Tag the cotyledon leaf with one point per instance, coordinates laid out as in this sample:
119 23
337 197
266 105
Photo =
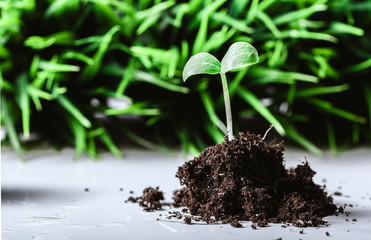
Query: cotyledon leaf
239 55
201 63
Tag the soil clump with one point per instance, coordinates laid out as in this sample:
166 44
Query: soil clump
245 180
150 200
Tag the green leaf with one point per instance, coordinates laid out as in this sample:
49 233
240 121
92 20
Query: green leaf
155 80
68 105
201 63
331 137
209 106
107 140
250 98
330 108
24 104
38 42
342 28
79 133
10 126
293 134
367 91
360 66
239 55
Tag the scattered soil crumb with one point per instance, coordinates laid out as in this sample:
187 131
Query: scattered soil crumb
327 234
86 189
188 220
235 223
132 199
245 180
121 189
337 193
341 209
301 231
150 200
354 220
131 192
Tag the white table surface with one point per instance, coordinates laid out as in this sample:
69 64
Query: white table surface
43 197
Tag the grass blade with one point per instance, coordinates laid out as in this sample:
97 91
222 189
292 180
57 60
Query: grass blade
209 106
360 66
201 35
343 28
237 24
304 34
106 139
268 23
331 138
79 133
367 90
299 14
24 103
314 91
127 77
74 111
135 109
251 99
328 107
153 79
251 14
293 134
215 133
53 67
91 71
9 124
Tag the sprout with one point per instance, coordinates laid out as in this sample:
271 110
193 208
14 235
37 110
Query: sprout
239 55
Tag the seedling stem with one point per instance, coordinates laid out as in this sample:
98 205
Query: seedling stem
227 103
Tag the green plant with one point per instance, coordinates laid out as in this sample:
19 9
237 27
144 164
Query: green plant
58 74
239 55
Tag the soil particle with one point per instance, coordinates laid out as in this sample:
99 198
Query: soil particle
150 200
327 234
245 180
341 209
121 189
86 189
235 223
188 220
337 193
132 199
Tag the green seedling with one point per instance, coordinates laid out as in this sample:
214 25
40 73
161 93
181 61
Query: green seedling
239 55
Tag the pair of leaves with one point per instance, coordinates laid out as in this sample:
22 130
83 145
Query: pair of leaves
239 55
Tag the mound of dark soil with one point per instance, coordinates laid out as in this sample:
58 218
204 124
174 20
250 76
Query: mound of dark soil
245 179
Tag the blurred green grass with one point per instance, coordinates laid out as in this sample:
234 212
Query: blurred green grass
63 62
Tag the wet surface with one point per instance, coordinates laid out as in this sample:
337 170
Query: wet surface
44 197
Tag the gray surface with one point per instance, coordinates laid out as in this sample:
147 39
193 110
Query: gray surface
43 197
